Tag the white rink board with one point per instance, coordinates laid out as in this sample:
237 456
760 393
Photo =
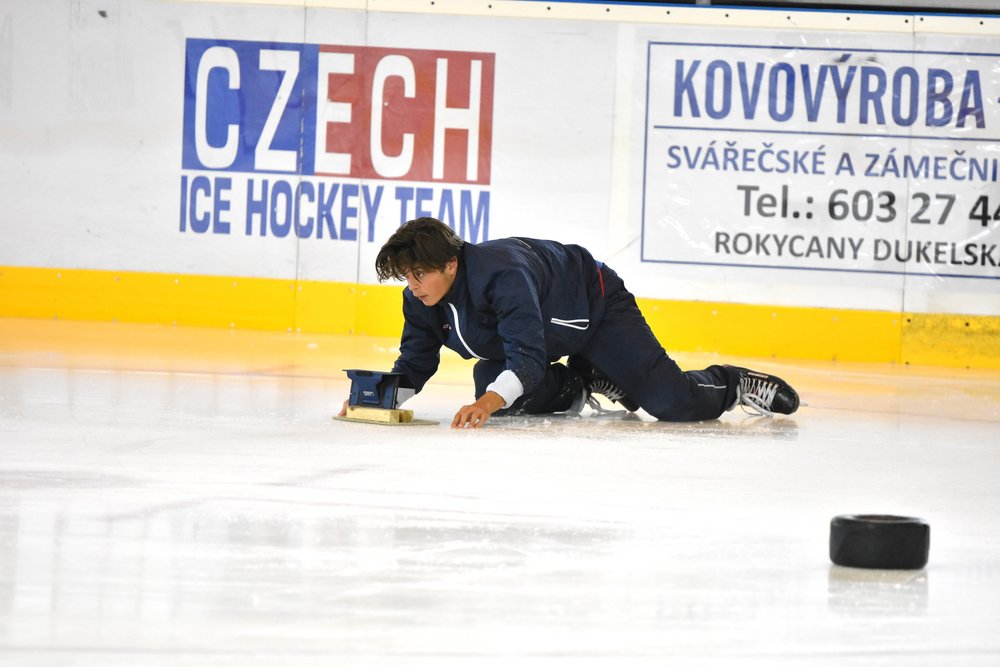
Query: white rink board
828 164
117 153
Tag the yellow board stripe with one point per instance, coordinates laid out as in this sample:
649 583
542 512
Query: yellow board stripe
780 332
374 310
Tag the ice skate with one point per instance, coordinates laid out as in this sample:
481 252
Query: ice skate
763 394
594 382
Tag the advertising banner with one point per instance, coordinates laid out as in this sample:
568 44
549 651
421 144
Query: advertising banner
838 159
316 143
808 167
301 139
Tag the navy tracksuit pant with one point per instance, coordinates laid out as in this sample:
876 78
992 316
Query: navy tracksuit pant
624 349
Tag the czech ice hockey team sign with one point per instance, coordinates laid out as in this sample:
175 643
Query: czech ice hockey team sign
868 160
321 141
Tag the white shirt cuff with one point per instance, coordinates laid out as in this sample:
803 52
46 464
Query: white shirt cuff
508 386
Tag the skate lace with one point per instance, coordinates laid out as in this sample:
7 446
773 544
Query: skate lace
756 395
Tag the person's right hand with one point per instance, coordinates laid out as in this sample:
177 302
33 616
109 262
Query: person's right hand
343 410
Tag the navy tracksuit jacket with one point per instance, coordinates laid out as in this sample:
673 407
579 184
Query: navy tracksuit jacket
520 304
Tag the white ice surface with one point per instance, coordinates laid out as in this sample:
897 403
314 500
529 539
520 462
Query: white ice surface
224 519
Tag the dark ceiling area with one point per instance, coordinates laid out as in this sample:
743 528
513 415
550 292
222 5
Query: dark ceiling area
980 7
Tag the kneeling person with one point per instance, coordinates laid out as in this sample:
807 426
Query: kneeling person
519 305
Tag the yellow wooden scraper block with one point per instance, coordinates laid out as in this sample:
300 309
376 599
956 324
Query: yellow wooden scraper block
384 416
380 415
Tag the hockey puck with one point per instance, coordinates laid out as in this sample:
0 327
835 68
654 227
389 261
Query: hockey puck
879 541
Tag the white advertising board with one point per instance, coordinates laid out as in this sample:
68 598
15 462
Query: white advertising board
858 156
850 168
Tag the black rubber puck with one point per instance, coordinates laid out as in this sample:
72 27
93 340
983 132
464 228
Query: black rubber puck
879 541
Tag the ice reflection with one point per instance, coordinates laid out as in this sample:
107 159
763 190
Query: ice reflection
877 592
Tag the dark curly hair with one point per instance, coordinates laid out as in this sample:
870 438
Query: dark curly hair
425 243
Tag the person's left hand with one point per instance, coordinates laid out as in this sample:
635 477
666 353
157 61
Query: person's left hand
478 413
